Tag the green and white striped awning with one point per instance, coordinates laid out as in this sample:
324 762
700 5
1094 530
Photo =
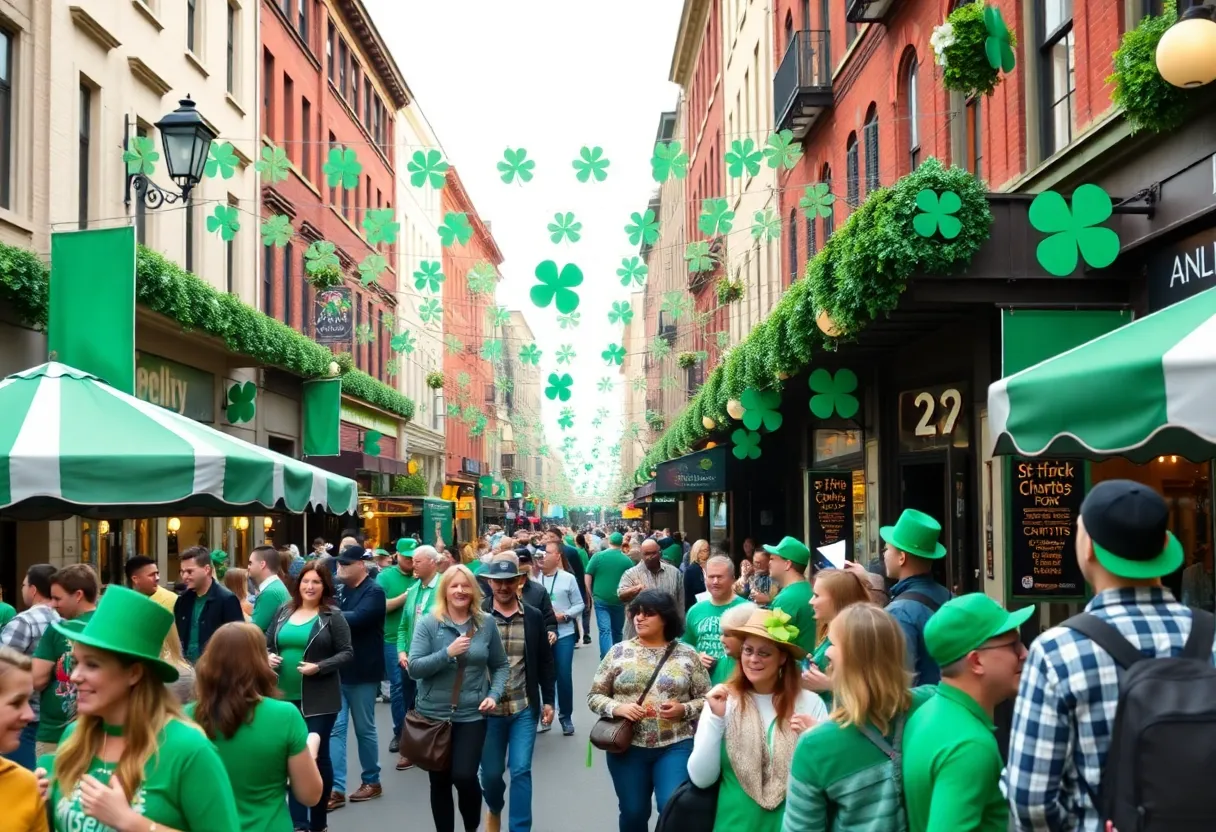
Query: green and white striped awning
71 444
1140 391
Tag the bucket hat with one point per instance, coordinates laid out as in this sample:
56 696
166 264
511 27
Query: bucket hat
772 625
964 623
1128 523
129 624
915 533
791 549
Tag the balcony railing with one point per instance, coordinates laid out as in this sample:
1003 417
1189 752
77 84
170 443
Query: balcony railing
802 87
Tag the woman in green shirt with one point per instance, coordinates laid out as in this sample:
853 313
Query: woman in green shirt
834 590
261 739
131 761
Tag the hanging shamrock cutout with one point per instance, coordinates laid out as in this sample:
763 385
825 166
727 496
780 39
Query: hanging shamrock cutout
403 343
743 156
391 368
470 413
565 354
559 387
668 383
453 345
659 348
370 269
453 410
698 256
277 231
566 421
833 394
621 312
342 168
597 421
429 276
455 229
632 270
515 164
242 402
498 316
676 305
605 385
817 200
782 151
430 311
642 228
766 225
274 164
997 46
221 161
226 219
542 450
380 226
463 380
1070 230
638 384
591 163
529 354
747 444
723 340
479 427
716 217
614 354
491 350
320 256
668 160
565 227
760 409
937 214
364 334
482 278
371 442
507 385
569 321
557 288
140 156
427 167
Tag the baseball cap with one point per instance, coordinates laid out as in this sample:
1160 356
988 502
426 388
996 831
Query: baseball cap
1128 523
353 554
616 539
966 622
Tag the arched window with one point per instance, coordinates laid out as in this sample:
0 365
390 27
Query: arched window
789 30
810 236
869 132
912 91
852 173
793 244
829 222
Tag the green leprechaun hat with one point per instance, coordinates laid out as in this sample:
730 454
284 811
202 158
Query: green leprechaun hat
126 623
915 533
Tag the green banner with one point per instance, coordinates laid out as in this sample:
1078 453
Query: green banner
437 518
178 387
517 489
322 414
92 303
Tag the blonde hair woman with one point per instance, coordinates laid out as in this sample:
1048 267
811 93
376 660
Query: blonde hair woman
834 590
842 777
19 796
694 574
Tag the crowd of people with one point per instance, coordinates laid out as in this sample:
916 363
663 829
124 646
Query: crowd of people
753 692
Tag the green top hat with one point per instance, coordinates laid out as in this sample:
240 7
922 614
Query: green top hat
126 623
965 623
791 549
915 533
406 546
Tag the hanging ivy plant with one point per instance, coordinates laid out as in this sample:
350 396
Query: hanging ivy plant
434 380
686 359
1148 100
325 277
959 48
729 291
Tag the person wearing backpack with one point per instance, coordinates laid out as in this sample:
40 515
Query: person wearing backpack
951 761
912 546
1097 725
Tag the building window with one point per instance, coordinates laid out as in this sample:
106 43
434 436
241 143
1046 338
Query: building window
358 326
191 24
267 93
306 300
302 20
367 104
850 33
230 57
913 113
829 222
288 312
230 256
354 88
306 137
793 245
84 174
141 210
6 118
333 195
1058 73
852 171
343 61
190 233
329 51
869 132
789 30
975 137
810 237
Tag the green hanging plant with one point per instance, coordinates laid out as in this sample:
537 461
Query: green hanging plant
962 47
434 380
1148 100
729 290
326 277
687 359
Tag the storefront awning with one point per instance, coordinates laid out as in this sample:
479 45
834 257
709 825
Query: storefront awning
1140 391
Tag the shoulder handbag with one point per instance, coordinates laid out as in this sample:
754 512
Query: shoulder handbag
426 742
614 734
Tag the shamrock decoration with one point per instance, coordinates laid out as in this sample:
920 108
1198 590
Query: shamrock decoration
454 410
342 168
391 368
542 450
569 321
371 442
760 408
565 354
605 385
364 334
516 164
676 305
402 343
659 348
453 345
766 225
743 156
479 427
427 167
556 288
140 156
222 161
274 164
498 316
566 420
997 46
668 383
242 402
319 256
564 226
716 218
817 200
621 312
698 256
529 354
937 214
639 383
455 229
277 231
470 414
833 394
506 384
747 444
643 227
614 354
429 275
782 151
491 350
779 627
371 268
1074 229
463 380
632 270
591 163
430 311
380 226
668 161
225 219
559 387
482 278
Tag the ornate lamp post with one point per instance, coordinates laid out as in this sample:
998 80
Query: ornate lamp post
186 137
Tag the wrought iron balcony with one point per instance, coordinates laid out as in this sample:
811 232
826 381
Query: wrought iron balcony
868 11
802 87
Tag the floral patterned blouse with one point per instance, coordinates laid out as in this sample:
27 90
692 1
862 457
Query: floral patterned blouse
625 671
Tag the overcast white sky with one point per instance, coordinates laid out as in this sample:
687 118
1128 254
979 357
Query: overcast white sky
550 76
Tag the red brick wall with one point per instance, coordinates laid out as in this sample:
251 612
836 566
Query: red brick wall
352 440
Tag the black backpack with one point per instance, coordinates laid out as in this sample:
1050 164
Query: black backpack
1162 758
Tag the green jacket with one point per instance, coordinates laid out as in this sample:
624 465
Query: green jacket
419 600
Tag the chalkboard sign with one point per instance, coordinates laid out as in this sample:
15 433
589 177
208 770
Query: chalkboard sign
831 509
1045 501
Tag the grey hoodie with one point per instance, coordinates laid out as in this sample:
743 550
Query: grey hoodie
430 665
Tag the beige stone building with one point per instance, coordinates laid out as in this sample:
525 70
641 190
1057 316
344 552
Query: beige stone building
633 396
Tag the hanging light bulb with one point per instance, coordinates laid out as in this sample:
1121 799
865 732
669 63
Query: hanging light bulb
827 325
734 408
1186 53
174 524
267 522
241 523
103 527
708 423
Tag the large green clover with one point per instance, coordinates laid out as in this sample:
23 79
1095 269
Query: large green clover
743 156
529 354
222 161
1074 229
659 348
570 321
591 163
605 385
342 168
507 385
557 288
498 316
566 420
833 394
454 410
455 229
817 200
364 334
632 270
371 442
937 214
620 313
766 225
559 387
614 354
452 344
565 227
642 228
515 164
716 217
403 342
760 409
566 354
676 305
482 278
140 156
698 256
427 167
491 350
391 368
782 151
463 380
226 219
274 164
668 161
639 384
429 276
277 231
746 444
371 267
242 402
380 226
997 46
430 311
320 256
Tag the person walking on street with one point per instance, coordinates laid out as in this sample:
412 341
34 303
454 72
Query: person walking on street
362 603
694 573
396 580
703 625
419 600
264 567
533 594
651 573
563 590
205 606
511 726
912 547
573 566
74 592
604 572
834 590
789 561
23 634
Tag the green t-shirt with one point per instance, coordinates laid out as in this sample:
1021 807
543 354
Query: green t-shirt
7 614
418 603
795 601
703 632
192 649
293 639
255 758
185 786
57 702
394 582
267 604
606 569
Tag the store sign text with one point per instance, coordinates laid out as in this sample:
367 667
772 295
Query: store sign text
1181 270
173 386
932 418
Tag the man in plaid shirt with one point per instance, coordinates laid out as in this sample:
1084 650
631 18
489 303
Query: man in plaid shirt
1066 704
23 634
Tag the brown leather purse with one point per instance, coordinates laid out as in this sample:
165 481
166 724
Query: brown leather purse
614 734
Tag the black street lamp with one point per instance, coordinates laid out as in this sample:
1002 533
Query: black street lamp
186 137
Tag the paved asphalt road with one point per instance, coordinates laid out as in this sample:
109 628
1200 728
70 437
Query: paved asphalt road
566 794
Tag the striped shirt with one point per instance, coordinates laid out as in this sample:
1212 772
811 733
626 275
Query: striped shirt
669 579
25 631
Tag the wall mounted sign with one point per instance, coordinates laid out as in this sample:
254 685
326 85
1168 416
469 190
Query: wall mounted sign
332 316
699 472
367 418
470 466
1178 271
831 509
175 386
933 418
1045 501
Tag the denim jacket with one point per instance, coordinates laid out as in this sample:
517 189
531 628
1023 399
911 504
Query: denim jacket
912 615
485 672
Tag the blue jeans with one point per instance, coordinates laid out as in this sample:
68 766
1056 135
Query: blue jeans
359 704
640 773
508 747
315 818
25 754
610 624
395 693
563 657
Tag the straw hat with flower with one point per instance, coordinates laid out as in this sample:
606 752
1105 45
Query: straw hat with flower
771 625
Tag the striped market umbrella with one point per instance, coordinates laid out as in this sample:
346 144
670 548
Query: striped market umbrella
72 444
1140 391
